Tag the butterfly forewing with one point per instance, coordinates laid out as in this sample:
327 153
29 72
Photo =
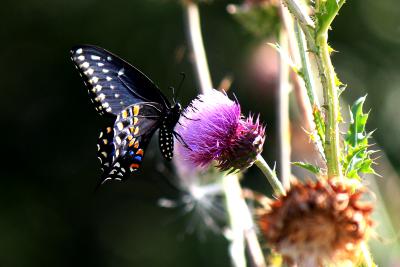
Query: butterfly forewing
113 84
134 101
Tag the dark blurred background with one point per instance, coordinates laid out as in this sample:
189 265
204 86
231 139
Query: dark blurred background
49 213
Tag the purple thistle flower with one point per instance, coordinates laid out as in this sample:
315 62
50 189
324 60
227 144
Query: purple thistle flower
214 130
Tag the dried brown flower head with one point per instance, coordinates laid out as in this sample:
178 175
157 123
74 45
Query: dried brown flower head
317 223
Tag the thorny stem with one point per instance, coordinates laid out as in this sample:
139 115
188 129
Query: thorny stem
317 42
306 23
306 67
271 176
307 75
331 98
193 31
231 183
332 147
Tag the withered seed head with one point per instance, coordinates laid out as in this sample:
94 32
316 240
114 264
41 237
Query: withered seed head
317 223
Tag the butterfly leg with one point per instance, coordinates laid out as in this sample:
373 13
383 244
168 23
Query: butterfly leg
190 119
180 139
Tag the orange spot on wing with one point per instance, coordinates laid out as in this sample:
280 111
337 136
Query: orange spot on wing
124 114
109 129
135 110
131 143
134 166
139 152
136 145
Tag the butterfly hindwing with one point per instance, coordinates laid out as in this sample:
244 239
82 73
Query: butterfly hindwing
105 148
131 134
113 84
134 101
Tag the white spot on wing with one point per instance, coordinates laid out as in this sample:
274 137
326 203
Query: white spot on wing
79 51
94 80
84 65
101 97
81 58
121 72
95 57
89 71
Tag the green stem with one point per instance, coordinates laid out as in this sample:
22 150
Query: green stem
306 67
306 23
299 12
317 42
307 75
331 98
271 176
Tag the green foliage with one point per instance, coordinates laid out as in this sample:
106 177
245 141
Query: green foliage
326 12
357 157
309 167
260 21
319 123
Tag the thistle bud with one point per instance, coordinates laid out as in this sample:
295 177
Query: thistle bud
214 130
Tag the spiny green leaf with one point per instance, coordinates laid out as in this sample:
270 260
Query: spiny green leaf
356 133
308 166
357 157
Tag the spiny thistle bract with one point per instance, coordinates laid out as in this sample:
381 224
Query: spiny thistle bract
214 129
318 223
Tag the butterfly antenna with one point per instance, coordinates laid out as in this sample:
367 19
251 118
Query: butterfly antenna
183 75
173 94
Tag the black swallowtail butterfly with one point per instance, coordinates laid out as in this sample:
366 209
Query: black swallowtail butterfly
120 90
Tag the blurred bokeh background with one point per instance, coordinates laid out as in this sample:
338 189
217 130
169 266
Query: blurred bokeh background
49 213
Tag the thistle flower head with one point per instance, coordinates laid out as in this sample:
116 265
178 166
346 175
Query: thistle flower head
318 223
214 130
